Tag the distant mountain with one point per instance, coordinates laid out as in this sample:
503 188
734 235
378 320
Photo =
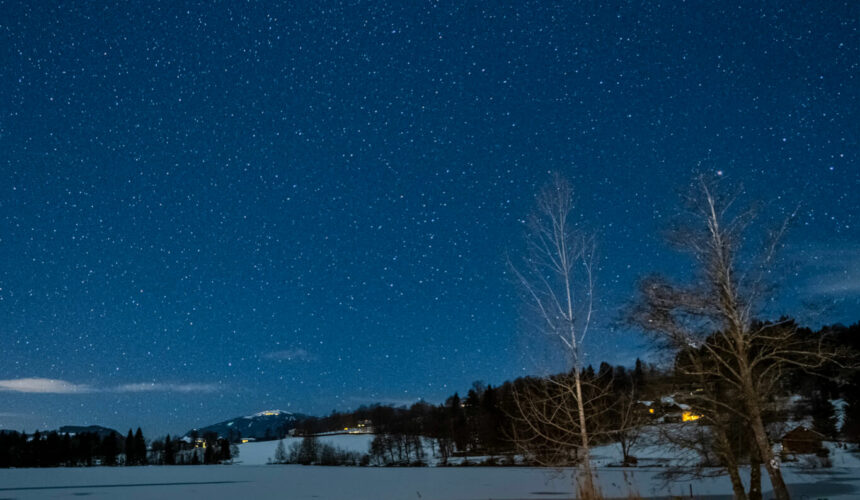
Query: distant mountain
91 429
270 424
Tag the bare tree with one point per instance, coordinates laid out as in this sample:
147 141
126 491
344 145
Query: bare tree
628 420
556 277
738 361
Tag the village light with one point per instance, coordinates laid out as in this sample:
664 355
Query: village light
689 416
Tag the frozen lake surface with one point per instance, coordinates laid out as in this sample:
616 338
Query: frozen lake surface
371 483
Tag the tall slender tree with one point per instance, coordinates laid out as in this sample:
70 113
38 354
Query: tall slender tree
140 448
130 451
169 451
823 415
557 281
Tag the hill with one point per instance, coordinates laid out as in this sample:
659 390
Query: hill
265 425
91 429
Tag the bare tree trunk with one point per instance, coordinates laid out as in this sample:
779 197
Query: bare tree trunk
780 490
763 446
755 472
585 455
731 464
724 448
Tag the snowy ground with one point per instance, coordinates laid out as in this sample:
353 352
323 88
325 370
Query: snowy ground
262 453
251 477
373 483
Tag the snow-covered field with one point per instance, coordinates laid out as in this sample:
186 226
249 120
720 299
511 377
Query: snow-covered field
251 477
373 483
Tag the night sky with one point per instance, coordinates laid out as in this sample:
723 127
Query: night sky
211 209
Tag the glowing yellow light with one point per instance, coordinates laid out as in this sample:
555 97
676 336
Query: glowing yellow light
650 410
689 416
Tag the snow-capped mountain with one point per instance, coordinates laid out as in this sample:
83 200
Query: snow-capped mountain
269 424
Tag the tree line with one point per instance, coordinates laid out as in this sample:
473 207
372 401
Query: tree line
52 449
481 422
86 449
488 420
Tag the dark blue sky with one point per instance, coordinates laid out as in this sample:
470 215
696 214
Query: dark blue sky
209 209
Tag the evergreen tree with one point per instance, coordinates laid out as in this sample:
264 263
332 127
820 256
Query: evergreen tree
224 450
130 452
209 454
588 374
457 422
823 415
110 449
140 448
169 451
851 424
490 432
639 380
472 412
604 372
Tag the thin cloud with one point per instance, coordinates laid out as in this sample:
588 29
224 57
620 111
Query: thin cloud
37 385
290 355
833 271
382 400
157 387
44 386
836 284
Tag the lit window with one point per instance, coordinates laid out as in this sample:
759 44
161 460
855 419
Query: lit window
689 416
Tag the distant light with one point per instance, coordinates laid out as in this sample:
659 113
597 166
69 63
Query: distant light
720 172
689 416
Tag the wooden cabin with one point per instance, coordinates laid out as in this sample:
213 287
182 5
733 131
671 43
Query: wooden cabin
801 440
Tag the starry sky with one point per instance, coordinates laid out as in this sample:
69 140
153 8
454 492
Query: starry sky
212 208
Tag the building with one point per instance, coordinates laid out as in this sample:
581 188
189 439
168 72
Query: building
362 427
800 441
689 416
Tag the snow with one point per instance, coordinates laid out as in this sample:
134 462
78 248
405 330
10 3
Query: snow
268 413
650 450
839 405
260 452
249 476
380 483
276 481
